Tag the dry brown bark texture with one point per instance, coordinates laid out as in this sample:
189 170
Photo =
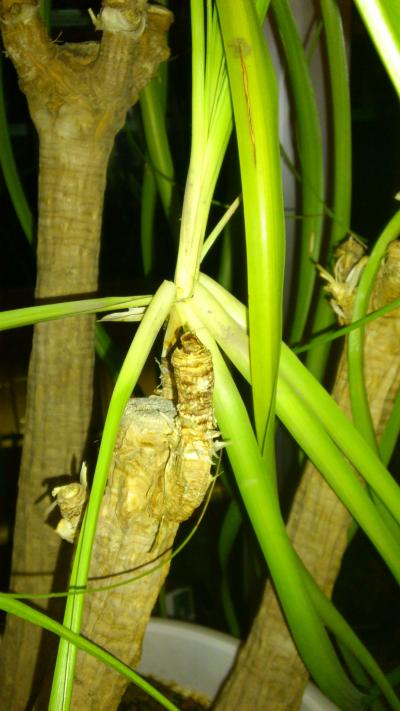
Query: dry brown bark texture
159 475
268 672
78 95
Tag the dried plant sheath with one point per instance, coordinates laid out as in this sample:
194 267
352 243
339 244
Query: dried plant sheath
159 475
269 673
194 379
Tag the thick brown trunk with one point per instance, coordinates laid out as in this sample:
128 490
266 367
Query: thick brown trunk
160 473
59 398
78 96
268 673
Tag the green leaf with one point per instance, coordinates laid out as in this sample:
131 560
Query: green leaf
309 151
255 104
15 607
10 170
355 344
341 163
382 20
15 318
211 129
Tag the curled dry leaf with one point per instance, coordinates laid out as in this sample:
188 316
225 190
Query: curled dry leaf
350 261
71 499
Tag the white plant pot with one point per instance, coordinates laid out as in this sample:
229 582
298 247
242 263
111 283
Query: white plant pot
199 659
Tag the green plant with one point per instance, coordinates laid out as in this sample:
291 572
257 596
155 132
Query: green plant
233 83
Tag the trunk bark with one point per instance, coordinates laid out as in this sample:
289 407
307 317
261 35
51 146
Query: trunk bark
269 673
159 475
59 394
78 96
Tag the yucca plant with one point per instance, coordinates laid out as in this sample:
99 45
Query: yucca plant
158 467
